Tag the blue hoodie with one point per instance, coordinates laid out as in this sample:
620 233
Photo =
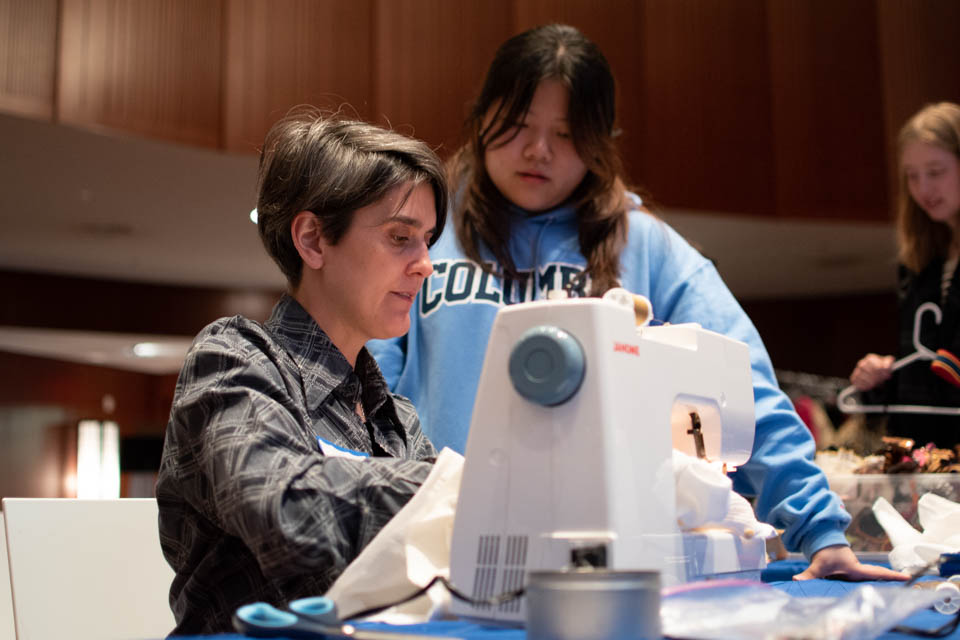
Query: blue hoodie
437 364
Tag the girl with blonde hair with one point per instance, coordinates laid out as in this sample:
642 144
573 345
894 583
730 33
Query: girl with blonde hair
928 212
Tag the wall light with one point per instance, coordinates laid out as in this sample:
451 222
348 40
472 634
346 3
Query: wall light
98 459
146 349
254 216
169 349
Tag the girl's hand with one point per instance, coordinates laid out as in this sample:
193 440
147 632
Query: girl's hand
840 561
871 371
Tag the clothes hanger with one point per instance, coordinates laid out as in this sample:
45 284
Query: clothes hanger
943 363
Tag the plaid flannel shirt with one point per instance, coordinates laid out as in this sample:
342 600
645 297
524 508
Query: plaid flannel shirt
250 508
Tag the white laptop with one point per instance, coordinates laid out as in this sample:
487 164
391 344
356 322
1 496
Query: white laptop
84 569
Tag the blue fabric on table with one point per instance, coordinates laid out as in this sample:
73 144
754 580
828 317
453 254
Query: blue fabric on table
450 628
778 574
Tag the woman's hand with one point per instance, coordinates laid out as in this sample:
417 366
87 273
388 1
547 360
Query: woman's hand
839 560
871 371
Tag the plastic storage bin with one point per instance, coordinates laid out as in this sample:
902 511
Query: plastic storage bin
858 493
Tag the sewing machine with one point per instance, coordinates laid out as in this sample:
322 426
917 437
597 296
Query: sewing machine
568 460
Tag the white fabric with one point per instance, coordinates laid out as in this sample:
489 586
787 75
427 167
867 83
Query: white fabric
407 553
415 545
706 499
913 550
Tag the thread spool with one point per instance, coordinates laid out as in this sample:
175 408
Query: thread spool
949 602
947 590
641 305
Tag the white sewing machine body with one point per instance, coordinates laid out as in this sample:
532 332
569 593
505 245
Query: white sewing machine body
590 480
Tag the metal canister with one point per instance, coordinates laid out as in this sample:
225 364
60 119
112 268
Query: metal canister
594 604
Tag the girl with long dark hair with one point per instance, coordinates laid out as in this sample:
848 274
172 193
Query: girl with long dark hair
539 204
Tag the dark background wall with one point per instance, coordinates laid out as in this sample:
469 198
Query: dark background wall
43 399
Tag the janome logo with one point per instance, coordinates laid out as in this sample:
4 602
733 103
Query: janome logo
623 347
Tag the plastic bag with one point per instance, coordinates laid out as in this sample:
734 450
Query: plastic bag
914 551
741 610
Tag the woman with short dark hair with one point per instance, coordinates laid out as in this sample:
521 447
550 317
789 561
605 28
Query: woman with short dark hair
285 452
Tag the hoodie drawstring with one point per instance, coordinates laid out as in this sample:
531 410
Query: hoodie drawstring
536 258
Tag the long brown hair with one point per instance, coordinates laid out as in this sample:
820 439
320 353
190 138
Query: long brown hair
921 239
482 213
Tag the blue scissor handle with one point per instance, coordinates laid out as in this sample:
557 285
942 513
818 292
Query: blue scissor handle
263 620
318 608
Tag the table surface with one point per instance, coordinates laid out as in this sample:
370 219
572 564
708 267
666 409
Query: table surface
778 574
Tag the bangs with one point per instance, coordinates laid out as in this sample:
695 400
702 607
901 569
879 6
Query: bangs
509 110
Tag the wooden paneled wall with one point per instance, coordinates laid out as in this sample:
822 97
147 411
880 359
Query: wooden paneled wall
291 52
766 107
919 62
152 68
828 144
28 52
142 401
826 335
430 57
90 304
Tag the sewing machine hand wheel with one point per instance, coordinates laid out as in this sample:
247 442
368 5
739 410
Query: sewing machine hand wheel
547 365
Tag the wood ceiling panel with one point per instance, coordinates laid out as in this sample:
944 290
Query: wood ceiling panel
827 109
431 56
150 67
284 53
28 37
706 105
920 63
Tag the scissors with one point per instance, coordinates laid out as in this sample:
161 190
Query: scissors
308 619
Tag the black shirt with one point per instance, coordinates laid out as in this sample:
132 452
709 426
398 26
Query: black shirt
915 383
